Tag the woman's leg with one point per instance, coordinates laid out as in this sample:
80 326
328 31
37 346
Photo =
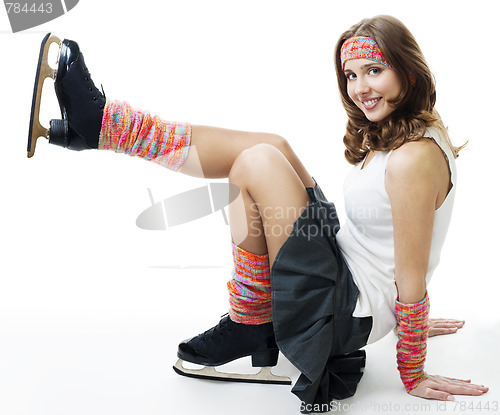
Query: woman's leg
197 151
272 196
90 121
218 148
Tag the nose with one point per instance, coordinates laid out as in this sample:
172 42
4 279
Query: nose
362 86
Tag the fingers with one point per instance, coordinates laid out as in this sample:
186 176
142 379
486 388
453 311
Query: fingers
438 395
442 326
465 389
457 380
443 322
443 388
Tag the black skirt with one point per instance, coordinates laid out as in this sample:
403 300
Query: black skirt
313 298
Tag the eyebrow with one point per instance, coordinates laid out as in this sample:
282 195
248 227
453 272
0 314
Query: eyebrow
364 66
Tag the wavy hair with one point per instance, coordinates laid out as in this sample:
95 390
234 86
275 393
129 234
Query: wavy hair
414 106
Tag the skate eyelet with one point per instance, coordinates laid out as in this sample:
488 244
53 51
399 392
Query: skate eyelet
90 88
95 98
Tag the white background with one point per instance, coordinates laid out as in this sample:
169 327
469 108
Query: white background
92 308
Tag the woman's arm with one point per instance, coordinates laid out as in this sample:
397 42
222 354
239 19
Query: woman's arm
417 181
413 182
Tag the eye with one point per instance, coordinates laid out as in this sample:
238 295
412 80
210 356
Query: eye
374 71
350 76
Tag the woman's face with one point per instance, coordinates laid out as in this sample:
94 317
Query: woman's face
371 86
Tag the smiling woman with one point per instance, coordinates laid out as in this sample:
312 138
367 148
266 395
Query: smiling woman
373 87
301 283
388 67
389 94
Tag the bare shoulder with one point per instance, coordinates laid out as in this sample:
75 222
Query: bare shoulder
418 167
422 158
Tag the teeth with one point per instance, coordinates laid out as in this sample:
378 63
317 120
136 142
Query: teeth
371 102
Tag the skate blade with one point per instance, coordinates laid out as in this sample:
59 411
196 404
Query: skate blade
210 373
43 71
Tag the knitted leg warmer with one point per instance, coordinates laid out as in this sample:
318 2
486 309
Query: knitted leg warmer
250 288
137 133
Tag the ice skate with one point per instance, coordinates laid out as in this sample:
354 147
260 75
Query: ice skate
229 341
81 103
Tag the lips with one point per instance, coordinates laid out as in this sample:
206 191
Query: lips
370 103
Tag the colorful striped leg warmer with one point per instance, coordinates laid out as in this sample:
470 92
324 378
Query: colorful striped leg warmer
137 133
250 288
412 331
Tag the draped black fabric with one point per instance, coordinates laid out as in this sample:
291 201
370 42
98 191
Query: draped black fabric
313 298
339 380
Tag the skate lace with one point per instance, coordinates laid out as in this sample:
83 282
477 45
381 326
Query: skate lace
218 329
100 95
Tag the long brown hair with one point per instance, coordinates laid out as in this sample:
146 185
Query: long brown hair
414 107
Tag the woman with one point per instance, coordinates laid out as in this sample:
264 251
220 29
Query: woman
301 283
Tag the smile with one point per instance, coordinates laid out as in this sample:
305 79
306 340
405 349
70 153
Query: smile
371 103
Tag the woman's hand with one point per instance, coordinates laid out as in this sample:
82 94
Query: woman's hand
443 388
440 326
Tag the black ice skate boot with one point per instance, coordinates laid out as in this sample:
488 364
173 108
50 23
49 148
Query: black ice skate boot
81 103
229 341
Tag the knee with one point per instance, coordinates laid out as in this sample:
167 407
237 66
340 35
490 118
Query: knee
255 162
280 143
274 140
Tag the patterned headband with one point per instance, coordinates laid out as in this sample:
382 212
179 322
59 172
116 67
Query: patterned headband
362 48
